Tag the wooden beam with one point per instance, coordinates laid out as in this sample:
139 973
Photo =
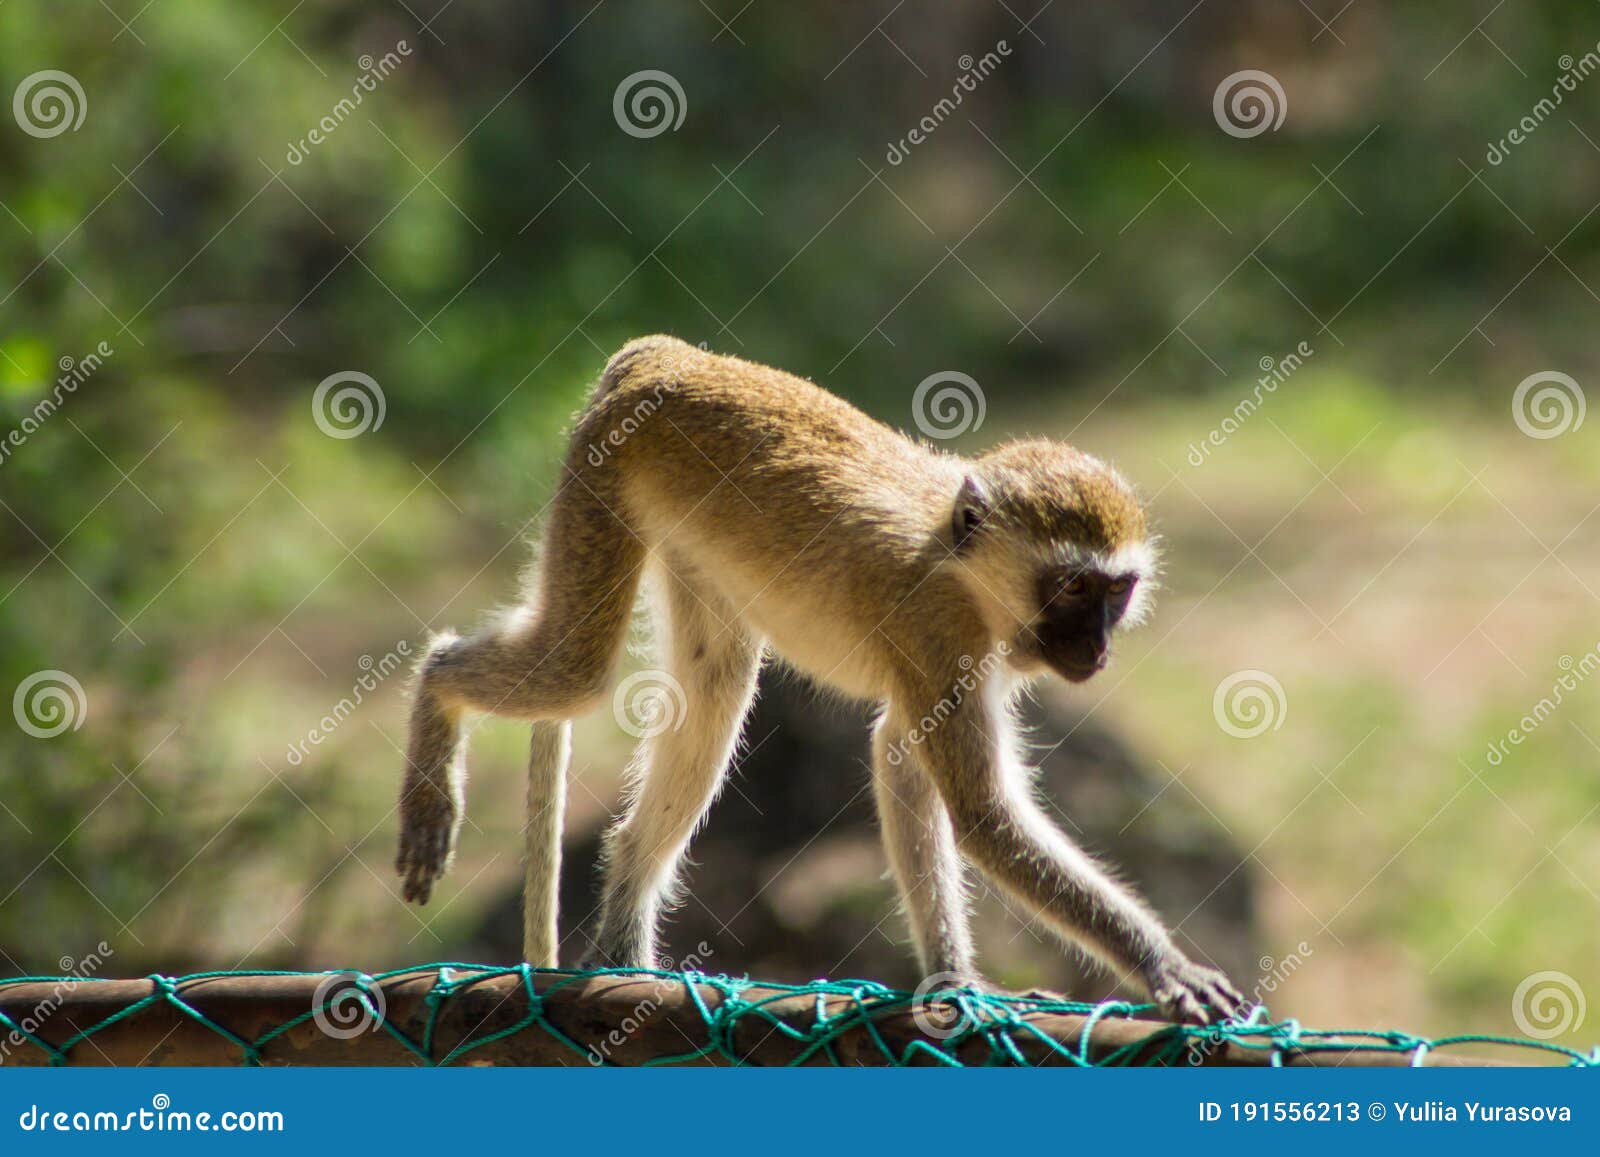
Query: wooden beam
621 1020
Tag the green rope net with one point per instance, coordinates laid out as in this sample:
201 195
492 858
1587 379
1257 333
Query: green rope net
996 1024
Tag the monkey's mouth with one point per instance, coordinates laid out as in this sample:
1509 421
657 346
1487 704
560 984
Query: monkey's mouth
1077 668
1075 659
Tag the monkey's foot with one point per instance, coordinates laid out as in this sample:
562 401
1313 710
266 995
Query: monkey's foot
1192 993
607 951
958 978
427 845
1042 995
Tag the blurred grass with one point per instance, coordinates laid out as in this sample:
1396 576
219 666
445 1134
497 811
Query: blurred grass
1430 881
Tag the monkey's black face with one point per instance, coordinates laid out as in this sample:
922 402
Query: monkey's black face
1078 611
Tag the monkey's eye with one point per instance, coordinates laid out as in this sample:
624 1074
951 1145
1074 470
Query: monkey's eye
1121 586
1076 586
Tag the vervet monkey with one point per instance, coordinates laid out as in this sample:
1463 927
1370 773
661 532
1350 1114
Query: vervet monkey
774 515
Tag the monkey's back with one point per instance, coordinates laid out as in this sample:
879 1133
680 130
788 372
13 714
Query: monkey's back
762 477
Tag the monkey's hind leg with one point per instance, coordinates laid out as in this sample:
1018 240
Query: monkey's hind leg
921 846
432 794
678 769
548 662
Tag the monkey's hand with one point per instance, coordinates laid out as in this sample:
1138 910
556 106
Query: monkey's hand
1191 993
428 822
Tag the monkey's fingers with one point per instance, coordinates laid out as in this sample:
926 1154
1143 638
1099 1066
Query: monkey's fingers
416 890
418 883
411 889
1183 1007
1194 994
1042 995
1225 997
425 854
1218 996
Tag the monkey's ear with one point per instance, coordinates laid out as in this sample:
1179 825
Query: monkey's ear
971 508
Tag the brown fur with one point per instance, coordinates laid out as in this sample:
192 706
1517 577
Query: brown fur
778 516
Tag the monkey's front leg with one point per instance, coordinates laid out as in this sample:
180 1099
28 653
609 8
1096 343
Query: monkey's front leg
1004 832
921 847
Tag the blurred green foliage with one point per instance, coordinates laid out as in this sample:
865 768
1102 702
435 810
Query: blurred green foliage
479 233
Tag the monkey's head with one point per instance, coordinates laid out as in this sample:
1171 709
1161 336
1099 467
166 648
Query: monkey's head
1054 547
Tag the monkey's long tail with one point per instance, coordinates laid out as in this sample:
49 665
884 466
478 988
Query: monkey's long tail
548 757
